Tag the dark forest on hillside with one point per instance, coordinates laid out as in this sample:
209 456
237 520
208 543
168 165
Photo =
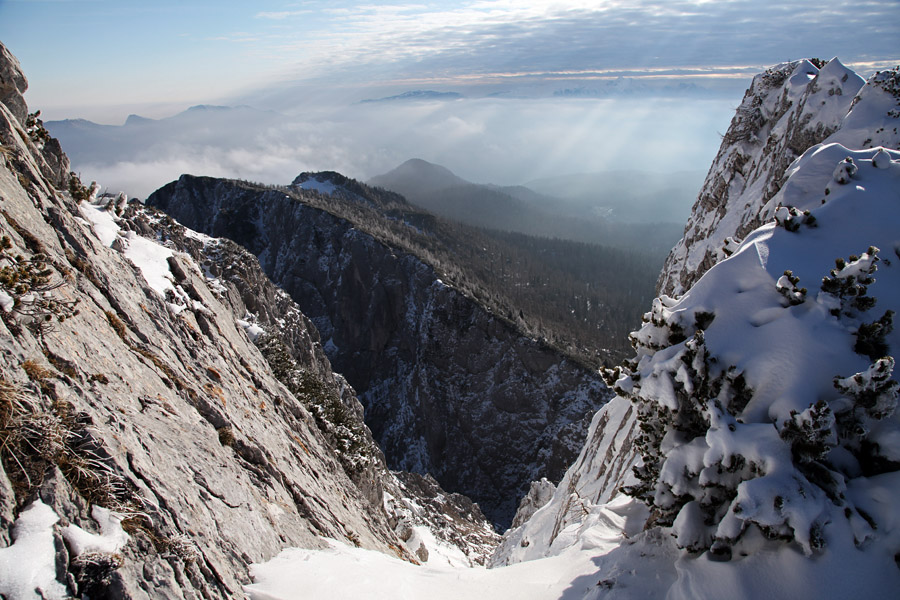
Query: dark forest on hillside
581 298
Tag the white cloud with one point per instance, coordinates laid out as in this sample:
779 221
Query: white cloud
505 141
281 15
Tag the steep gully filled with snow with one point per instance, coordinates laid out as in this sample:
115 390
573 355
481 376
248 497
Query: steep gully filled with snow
758 408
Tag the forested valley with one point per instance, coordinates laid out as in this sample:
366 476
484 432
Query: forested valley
581 298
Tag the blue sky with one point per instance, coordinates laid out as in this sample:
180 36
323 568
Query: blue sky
124 53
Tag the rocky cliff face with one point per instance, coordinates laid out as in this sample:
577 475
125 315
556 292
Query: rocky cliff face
449 389
786 110
443 523
141 399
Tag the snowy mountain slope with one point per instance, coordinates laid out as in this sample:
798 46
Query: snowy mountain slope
768 439
778 354
450 389
345 573
786 110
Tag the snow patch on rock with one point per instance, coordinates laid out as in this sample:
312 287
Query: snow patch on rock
111 539
28 567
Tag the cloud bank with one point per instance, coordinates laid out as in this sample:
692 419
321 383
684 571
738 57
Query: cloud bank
192 52
504 141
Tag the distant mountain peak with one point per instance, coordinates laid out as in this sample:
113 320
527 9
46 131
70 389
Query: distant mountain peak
422 165
137 120
420 176
207 107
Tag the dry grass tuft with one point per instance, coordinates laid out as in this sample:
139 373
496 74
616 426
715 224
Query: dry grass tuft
35 371
117 325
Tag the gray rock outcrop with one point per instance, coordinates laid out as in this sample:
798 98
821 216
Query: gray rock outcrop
158 406
12 85
291 345
786 110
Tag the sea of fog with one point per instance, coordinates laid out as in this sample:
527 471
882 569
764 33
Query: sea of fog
506 141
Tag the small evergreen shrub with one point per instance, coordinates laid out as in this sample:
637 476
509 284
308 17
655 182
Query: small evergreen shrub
34 126
27 291
342 429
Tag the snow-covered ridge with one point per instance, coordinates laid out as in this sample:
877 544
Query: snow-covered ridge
788 109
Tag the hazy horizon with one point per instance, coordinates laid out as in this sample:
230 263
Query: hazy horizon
487 140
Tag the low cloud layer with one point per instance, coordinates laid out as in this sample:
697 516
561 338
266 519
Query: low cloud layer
504 141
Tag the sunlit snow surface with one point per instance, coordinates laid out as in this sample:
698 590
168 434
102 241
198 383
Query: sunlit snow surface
111 539
150 257
28 567
314 183
341 572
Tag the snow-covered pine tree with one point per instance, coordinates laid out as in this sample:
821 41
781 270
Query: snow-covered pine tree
710 474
